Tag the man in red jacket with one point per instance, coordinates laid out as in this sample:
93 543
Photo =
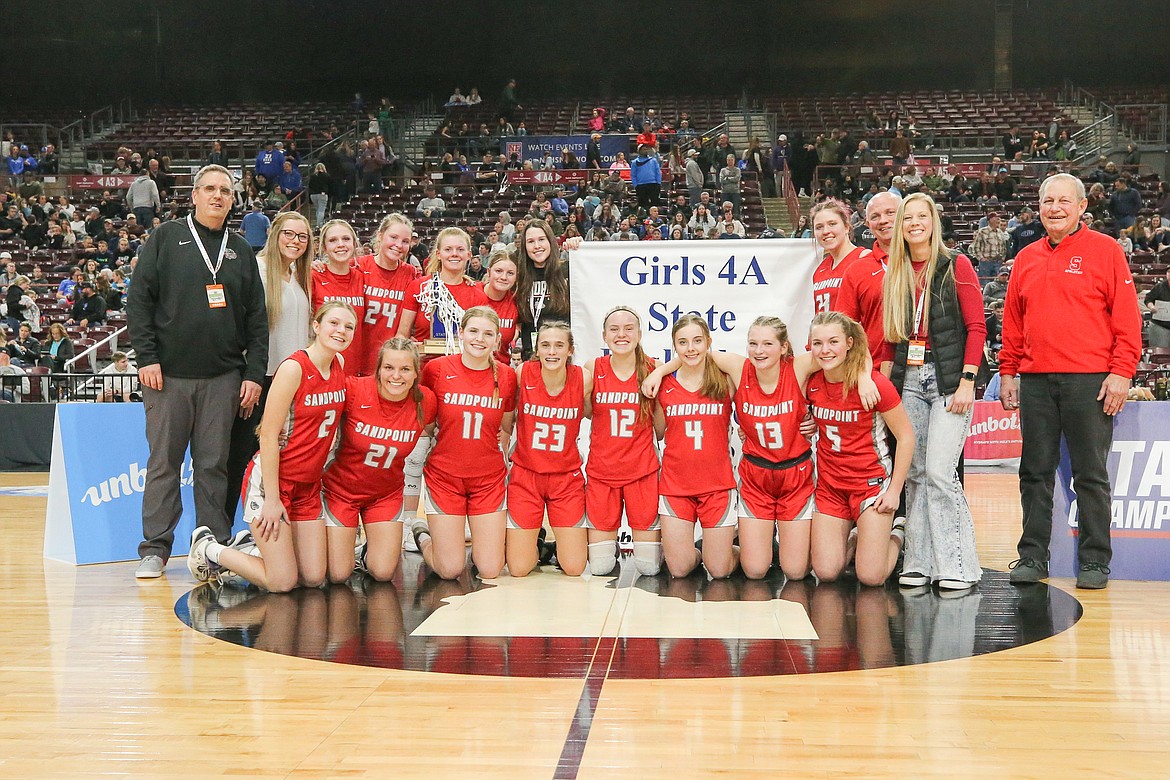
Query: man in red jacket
1068 380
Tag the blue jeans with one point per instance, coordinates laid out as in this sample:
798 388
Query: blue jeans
940 534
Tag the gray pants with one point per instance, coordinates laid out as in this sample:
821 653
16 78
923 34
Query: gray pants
198 412
940 534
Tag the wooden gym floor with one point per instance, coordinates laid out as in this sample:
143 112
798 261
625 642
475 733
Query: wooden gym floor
100 676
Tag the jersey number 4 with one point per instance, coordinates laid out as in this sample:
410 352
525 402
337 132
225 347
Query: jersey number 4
694 429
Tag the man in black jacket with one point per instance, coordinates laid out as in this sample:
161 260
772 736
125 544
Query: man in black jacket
89 308
199 326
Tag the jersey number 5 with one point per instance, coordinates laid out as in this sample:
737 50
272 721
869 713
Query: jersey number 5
834 437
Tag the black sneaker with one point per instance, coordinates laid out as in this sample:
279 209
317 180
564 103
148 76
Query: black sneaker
1093 576
1026 571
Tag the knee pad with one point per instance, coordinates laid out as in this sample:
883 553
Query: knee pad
648 557
412 467
602 557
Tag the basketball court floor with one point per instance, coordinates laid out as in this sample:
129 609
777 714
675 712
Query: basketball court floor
548 677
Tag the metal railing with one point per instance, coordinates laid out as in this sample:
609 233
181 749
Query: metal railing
39 386
90 353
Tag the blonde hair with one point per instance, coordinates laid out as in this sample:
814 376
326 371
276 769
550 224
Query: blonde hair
642 364
333 223
393 218
854 362
403 344
560 325
901 287
329 306
830 204
489 314
274 274
433 262
777 325
716 385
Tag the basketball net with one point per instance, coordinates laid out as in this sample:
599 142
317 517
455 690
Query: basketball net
440 306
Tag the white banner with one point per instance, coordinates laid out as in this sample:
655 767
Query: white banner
727 283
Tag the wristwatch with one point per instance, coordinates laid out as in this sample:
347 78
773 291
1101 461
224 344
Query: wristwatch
968 375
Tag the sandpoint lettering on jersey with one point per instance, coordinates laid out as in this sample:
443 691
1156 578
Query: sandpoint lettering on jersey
390 434
770 410
616 398
552 412
683 410
835 415
467 399
324 399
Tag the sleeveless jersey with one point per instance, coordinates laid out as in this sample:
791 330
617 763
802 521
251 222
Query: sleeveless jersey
385 293
827 280
469 416
312 420
621 448
376 437
852 447
696 458
328 286
466 294
771 421
509 316
547 426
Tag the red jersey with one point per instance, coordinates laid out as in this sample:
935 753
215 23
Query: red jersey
771 421
1071 309
509 321
466 294
376 437
696 458
312 420
547 426
471 408
861 299
852 446
350 287
385 292
827 279
621 448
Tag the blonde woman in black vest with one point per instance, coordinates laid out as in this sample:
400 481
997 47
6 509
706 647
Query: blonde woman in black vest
935 329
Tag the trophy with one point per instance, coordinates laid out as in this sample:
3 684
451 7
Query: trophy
445 315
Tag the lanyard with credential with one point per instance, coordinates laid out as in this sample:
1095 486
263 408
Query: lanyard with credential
216 298
214 269
916 353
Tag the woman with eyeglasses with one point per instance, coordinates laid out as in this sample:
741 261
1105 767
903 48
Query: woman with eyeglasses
285 266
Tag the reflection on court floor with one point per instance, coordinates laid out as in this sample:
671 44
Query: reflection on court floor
549 625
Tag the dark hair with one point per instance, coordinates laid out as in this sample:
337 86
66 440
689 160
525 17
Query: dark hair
555 274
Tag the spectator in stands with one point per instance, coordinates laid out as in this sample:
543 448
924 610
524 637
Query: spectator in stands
18 301
57 349
320 185
802 229
989 247
1026 231
871 121
646 177
1157 303
290 180
488 173
1012 143
1038 146
371 160
255 227
12 390
781 157
647 137
12 224
865 155
730 177
119 381
25 346
995 327
729 223
431 204
89 308
10 273
1125 203
269 162
827 146
1132 159
717 153
900 148
619 163
121 168
996 289
216 156
702 221
558 204
68 288
509 104
1004 185
457 99
1065 147
143 199
694 177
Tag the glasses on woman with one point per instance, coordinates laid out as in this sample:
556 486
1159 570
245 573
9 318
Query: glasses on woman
292 235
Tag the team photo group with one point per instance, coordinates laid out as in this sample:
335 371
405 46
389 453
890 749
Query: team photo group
335 391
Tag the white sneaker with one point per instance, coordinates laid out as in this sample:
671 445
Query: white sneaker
955 585
197 562
913 579
150 567
408 542
899 530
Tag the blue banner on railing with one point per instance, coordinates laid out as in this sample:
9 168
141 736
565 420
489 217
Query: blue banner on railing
96 479
533 147
1139 471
